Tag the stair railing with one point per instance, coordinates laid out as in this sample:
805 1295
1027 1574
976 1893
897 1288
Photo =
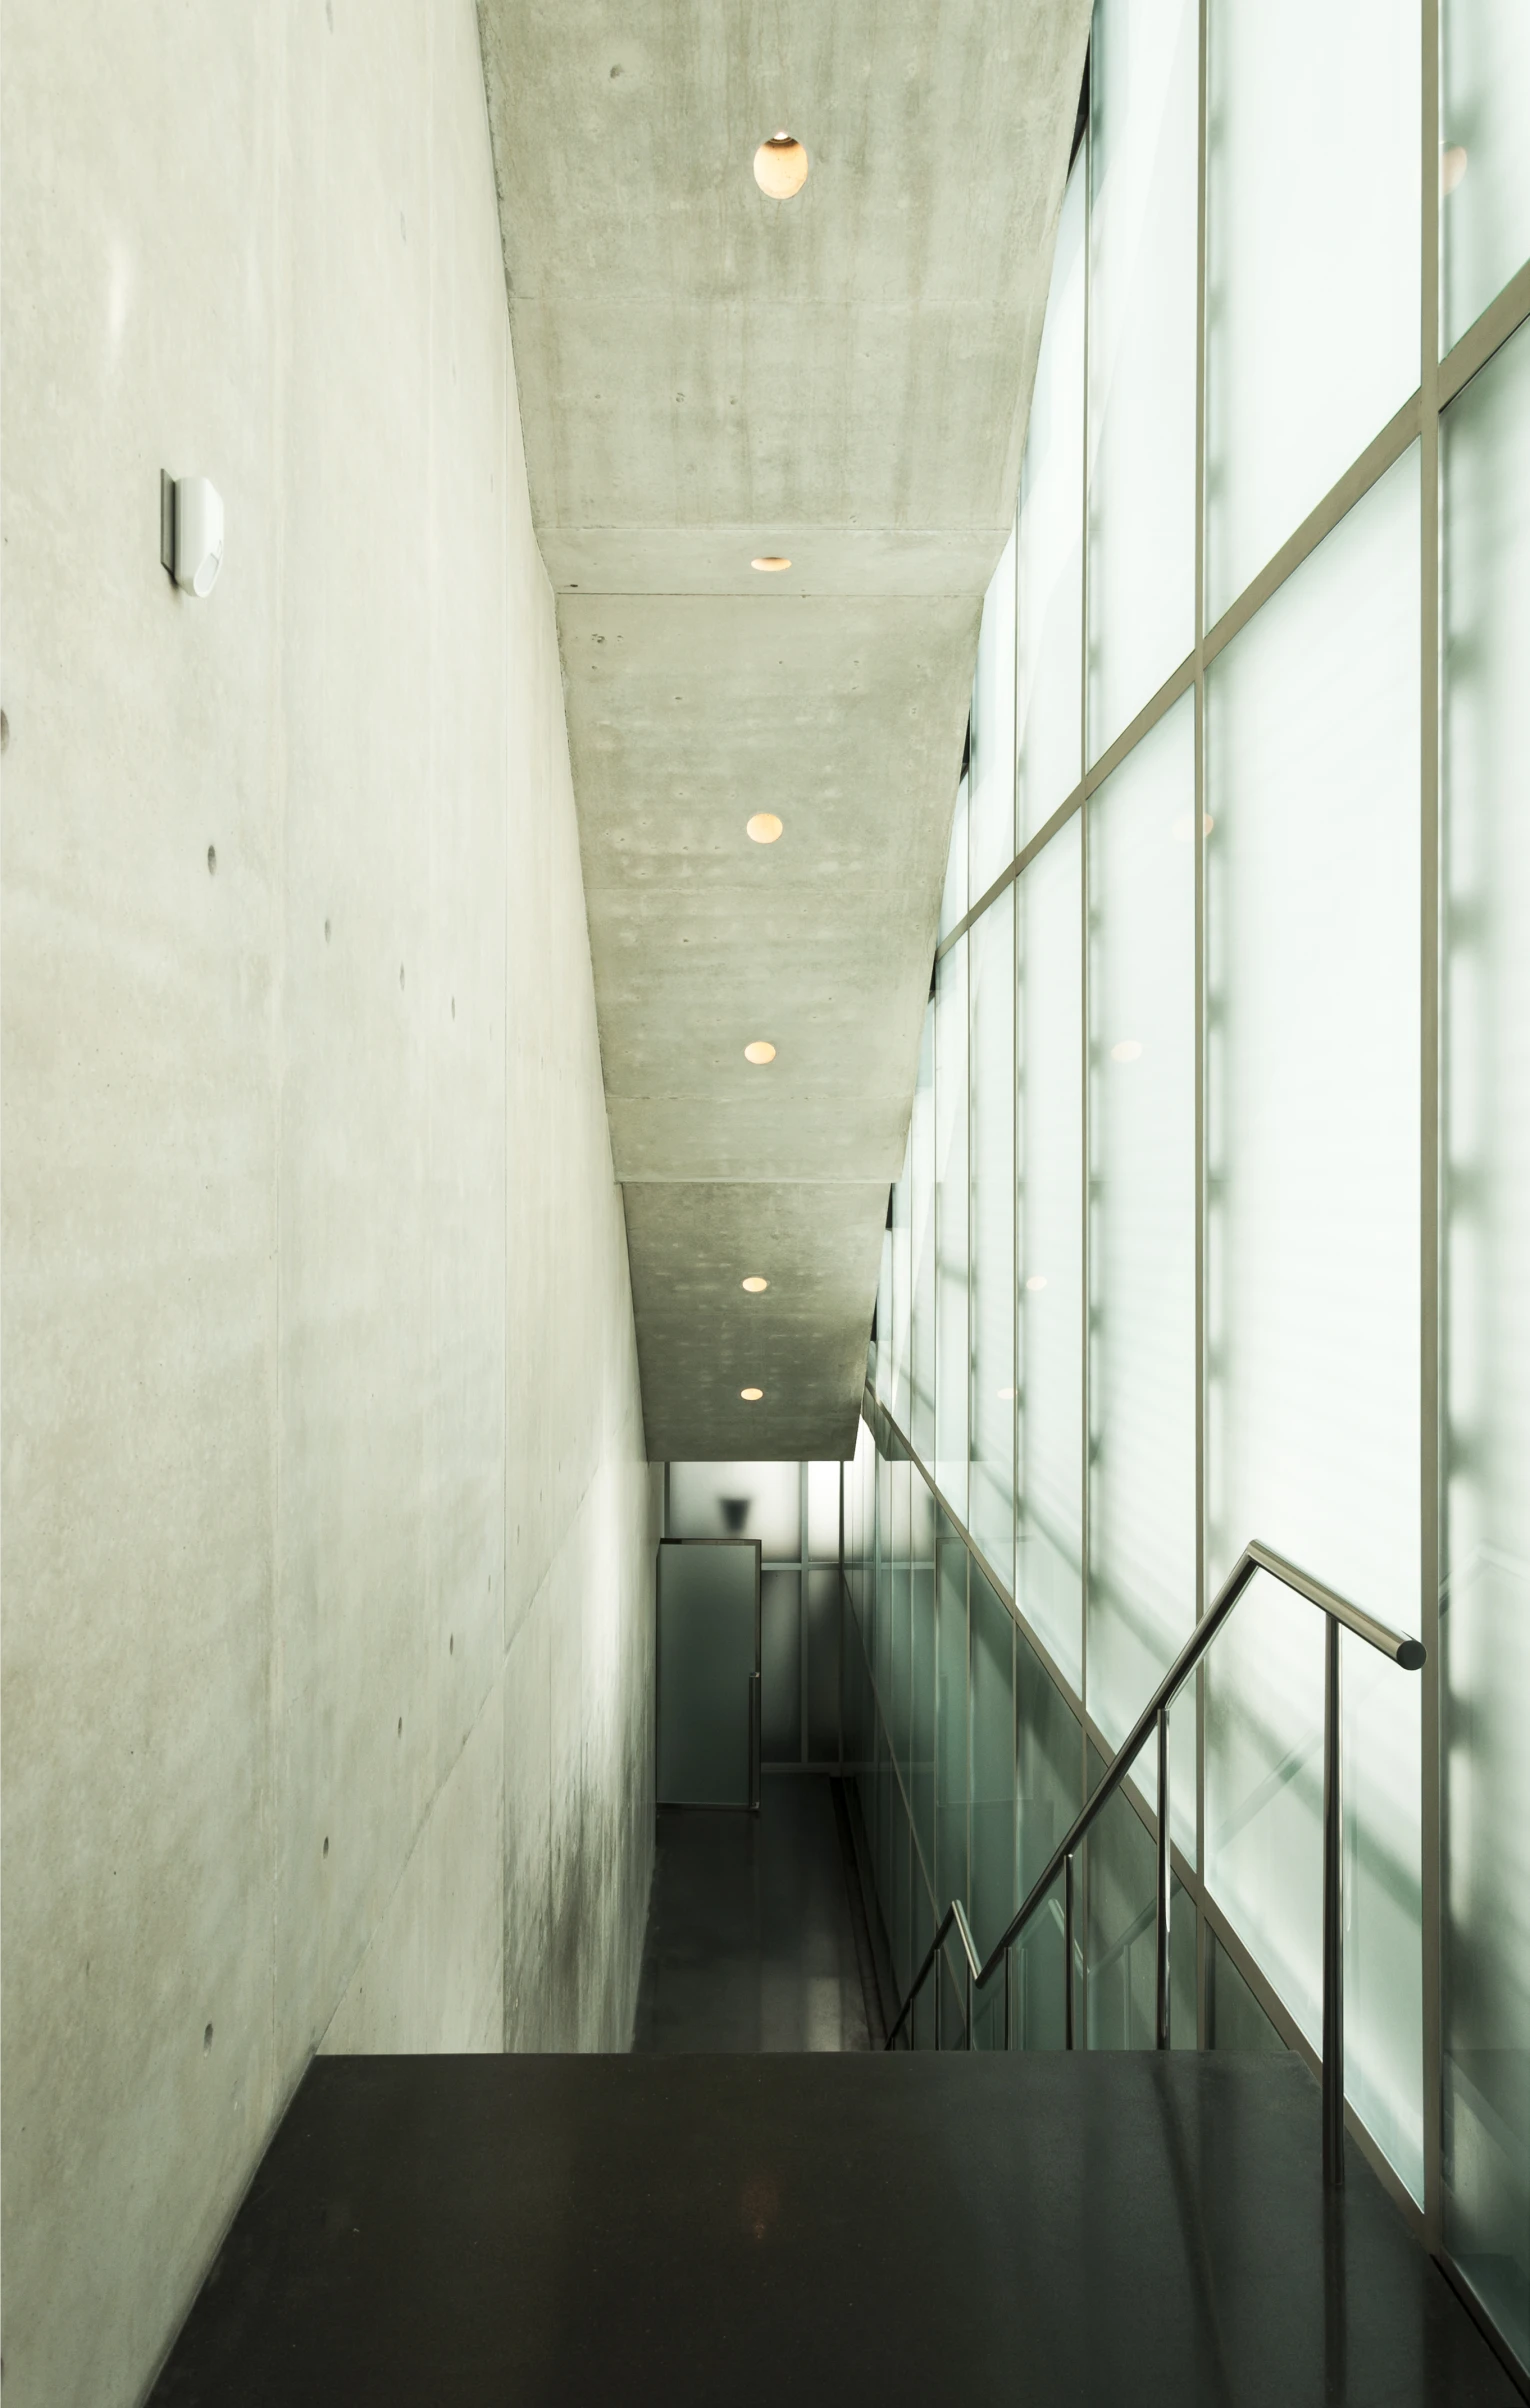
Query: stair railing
1153 1722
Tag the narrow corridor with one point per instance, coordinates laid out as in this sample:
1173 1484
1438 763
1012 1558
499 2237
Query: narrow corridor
755 1941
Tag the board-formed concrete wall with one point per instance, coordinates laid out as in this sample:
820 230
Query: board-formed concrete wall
328 1531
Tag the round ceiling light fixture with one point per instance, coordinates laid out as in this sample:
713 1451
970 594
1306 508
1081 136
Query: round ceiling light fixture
751 1396
770 562
764 827
780 166
755 1285
760 1050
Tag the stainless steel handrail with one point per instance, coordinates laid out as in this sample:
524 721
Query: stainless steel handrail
1407 1654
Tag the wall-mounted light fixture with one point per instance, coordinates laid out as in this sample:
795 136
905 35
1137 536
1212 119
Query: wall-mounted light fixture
191 532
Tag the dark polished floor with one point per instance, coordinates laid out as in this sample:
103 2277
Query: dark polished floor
751 1939
1070 2232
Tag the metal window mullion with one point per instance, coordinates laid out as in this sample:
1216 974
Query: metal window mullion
1085 1179
1199 850
1431 1784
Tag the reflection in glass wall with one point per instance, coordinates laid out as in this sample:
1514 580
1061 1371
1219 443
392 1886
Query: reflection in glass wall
951 1249
1484 155
1049 565
991 1501
1486 1347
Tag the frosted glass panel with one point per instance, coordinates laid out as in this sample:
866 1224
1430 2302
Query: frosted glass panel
991 810
1049 1164
1142 1553
953 901
1487 1359
951 1369
823 1512
1313 259
884 1317
822 1643
991 1895
1049 632
1484 154
780 1667
902 1296
1313 1277
1143 84
991 1506
921 1161
952 1695
738 1500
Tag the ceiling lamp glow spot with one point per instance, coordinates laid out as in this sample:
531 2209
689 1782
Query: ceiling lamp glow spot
761 1050
764 827
755 1286
770 562
751 1396
780 166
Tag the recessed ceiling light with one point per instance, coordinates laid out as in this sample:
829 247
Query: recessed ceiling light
756 1286
751 1396
770 560
1036 1280
1452 166
780 166
763 1051
1127 1051
764 827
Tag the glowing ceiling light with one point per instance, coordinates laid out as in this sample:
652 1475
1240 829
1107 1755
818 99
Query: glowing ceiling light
751 1396
770 561
756 1286
764 827
761 1050
780 166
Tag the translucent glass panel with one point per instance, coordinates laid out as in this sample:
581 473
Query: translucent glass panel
902 1298
1484 156
1313 1276
739 1500
991 1501
1486 1402
921 1171
1049 1163
991 808
1049 570
921 1773
1143 83
952 1698
823 1512
822 1640
781 1667
884 1316
1142 1502
953 901
951 1249
1312 263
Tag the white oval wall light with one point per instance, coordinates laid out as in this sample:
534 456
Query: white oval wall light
780 166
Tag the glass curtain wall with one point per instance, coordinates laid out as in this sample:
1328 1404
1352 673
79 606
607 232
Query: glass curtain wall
1218 1177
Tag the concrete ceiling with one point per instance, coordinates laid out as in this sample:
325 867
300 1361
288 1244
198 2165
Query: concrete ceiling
842 378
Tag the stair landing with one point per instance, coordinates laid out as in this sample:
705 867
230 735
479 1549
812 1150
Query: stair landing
720 2231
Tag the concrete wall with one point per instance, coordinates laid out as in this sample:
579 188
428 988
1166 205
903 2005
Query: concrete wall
327 1526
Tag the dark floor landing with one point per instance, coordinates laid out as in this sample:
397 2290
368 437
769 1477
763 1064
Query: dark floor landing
743 2231
750 1940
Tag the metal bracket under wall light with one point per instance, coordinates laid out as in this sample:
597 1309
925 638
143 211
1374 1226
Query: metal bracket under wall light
190 532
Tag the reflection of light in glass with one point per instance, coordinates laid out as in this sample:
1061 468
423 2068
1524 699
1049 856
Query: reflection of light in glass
1185 822
751 1396
1127 1051
1452 165
764 827
761 1050
1006 1396
1036 1282
780 166
770 560
756 1286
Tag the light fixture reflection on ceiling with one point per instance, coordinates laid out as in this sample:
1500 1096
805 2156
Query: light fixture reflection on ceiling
1129 1050
1036 1281
756 1286
751 1396
761 1050
764 827
780 166
1452 165
769 561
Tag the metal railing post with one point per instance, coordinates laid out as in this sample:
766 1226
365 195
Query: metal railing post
1068 2040
1333 1914
969 2006
1165 1886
